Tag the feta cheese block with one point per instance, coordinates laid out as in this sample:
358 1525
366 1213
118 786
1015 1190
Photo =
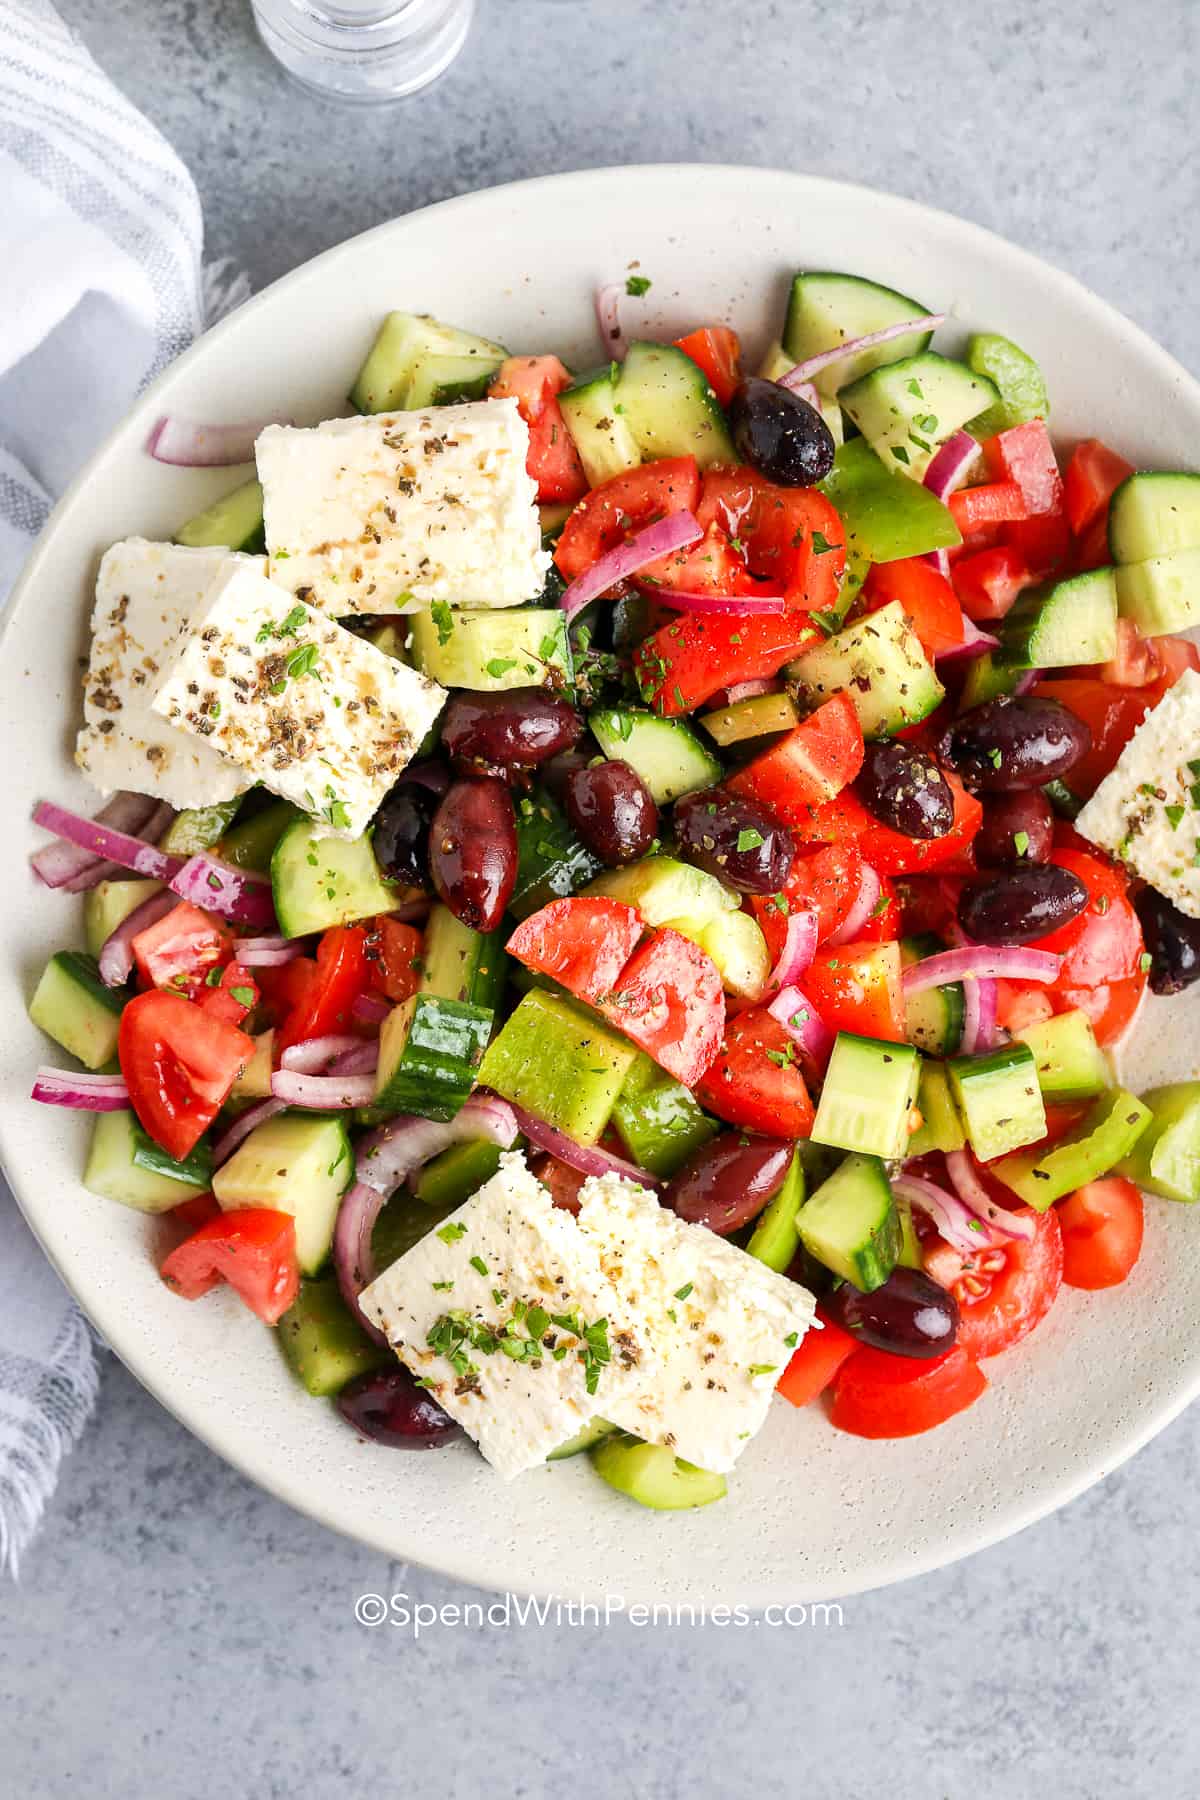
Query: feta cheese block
147 595
504 1312
723 1325
1146 811
295 701
398 510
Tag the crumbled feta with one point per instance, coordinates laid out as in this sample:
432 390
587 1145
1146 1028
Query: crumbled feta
723 1325
1147 811
397 510
488 1310
293 700
147 595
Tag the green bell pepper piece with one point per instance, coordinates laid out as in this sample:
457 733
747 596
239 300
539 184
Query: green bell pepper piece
1021 383
1108 1133
886 516
775 1239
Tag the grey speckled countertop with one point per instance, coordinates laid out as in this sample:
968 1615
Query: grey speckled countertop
178 1634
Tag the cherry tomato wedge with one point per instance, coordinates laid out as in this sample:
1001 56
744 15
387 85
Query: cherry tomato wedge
1004 1292
877 1395
716 350
252 1248
688 660
552 461
825 881
1102 1226
393 951
232 997
792 537
816 760
1094 473
179 1065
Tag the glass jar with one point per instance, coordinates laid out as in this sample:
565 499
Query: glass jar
364 50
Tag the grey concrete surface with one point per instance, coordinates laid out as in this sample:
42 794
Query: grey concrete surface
177 1634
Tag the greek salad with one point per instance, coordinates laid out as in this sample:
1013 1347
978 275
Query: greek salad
617 890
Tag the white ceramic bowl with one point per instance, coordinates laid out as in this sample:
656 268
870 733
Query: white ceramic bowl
811 1513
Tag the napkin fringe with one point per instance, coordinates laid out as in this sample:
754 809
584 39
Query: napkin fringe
38 1429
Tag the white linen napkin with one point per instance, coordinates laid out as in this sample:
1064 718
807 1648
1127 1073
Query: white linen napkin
102 285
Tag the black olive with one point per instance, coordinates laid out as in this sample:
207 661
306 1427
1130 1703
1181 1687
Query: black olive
779 434
904 788
1021 905
1173 940
1015 743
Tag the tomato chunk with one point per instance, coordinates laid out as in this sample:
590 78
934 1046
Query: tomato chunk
179 949
716 350
231 997
926 596
993 503
620 506
825 882
988 582
1002 1292
343 973
815 761
179 1064
1102 1227
856 987
815 1363
756 1081
792 537
584 944
1094 474
877 1395
688 660
668 1000
552 461
1024 456
393 952
846 820
252 1248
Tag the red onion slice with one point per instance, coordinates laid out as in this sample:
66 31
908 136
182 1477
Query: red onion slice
1025 682
870 888
268 952
239 894
1009 962
750 604
96 872
939 560
321 1093
812 365
799 948
314 1055
370 1009
587 1158
956 1222
116 957
608 320
976 1199
979 1016
646 546
353 1259
804 1025
362 1060
746 690
106 843
64 861
241 1128
189 445
950 465
974 643
85 1093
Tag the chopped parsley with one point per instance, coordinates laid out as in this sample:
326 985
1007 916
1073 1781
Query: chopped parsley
792 1339
821 544
1174 814
1144 961
243 995
286 627
443 619
683 1292
901 454
637 285
749 839
763 1368
500 665
478 1264
1021 842
451 1233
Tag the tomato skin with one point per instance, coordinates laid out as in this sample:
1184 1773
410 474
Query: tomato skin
1018 1296
1024 455
1111 714
393 952
717 351
689 659
816 760
669 1001
252 1248
877 1395
179 1065
583 943
233 998
1111 1007
816 1361
926 596
793 537
1102 1228
178 950
1135 664
343 973
552 460
286 987
1020 1004
992 503
620 506
756 1081
711 566
856 987
988 582
562 1182
824 881
1094 473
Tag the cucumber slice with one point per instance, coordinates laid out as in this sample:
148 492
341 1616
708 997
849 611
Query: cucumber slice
109 904
1166 1157
1019 381
940 1127
595 420
736 944
457 1173
669 406
851 1224
295 1164
322 1342
592 1433
827 309
870 1089
907 410
560 1063
430 1050
933 1019
1108 1133
666 753
884 516
1068 622
1154 514
660 1121
199 828
999 1099
250 844
653 1475
126 1165
72 1005
880 663
552 861
460 964
663 889
235 520
415 362
776 1237
1161 594
761 715
1069 1062
491 649
319 882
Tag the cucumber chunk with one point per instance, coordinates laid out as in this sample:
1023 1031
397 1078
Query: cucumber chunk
757 717
1018 379
591 1434
999 1098
1166 1157
72 1005
319 882
870 1089
559 1063
235 521
885 517
660 1121
1161 594
736 944
934 1019
662 889
415 361
199 827
322 1342
460 964
1108 1133
254 1082
1070 1063
294 1164
126 1165
595 420
880 663
851 1224
940 1127
909 409
988 677
1068 622
666 753
490 650
1153 515
653 1475
457 1173
670 408
827 309
776 1236
108 905
552 861
430 1050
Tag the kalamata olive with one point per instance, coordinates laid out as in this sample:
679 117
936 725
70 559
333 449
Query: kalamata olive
735 839
473 851
910 1315
513 730
388 1407
610 807
1016 828
779 434
904 788
1023 904
1010 743
401 838
1173 940
728 1182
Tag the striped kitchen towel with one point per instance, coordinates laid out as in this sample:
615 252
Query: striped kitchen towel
102 285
